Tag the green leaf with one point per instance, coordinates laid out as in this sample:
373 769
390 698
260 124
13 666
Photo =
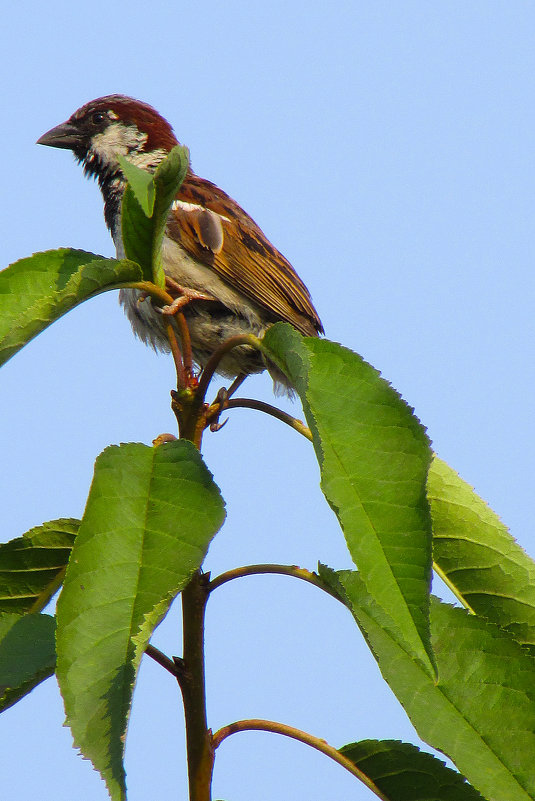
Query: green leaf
37 290
27 654
477 556
150 516
404 773
481 711
374 456
32 566
143 234
141 183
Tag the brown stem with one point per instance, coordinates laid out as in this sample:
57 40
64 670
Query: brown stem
162 659
281 570
186 343
302 737
213 362
177 356
251 403
192 682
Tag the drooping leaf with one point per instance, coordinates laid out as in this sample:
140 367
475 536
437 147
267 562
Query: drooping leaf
150 516
141 183
168 179
404 773
27 654
143 233
32 566
37 290
481 710
374 456
477 556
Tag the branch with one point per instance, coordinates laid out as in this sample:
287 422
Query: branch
177 356
186 343
162 659
198 740
250 403
301 736
281 570
213 362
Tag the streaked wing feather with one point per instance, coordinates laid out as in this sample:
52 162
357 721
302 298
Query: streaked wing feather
245 259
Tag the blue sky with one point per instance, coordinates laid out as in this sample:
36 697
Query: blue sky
387 150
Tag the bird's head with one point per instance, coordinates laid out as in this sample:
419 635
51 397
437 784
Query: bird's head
112 126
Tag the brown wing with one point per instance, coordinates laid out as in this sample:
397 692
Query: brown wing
233 245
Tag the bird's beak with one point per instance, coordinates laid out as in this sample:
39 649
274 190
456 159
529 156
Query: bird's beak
65 135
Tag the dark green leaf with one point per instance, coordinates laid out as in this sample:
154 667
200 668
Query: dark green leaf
404 773
374 456
477 556
150 516
137 233
142 235
36 291
481 711
27 654
32 566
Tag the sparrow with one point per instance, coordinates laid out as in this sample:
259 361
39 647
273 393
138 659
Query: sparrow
237 282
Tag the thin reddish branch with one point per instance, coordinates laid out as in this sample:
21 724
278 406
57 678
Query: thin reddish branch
181 374
162 659
267 408
213 362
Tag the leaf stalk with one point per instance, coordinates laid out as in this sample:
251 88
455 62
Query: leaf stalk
257 724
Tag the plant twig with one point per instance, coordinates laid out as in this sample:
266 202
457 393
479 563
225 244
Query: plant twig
177 356
281 570
301 736
185 338
213 362
162 659
261 406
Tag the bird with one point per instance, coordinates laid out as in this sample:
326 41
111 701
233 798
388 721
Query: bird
213 253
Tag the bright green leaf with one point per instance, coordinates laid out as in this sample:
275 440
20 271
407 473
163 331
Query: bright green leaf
32 566
374 456
143 235
404 773
477 556
137 232
481 711
142 184
37 290
150 516
27 654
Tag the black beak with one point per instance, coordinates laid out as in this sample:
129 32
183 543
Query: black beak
65 135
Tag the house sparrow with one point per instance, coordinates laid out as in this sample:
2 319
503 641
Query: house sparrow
211 246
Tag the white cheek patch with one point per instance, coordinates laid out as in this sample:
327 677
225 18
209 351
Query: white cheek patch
117 140
147 161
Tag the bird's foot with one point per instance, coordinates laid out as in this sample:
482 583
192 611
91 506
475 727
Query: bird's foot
184 296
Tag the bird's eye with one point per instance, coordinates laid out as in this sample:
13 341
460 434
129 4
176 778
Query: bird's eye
97 117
